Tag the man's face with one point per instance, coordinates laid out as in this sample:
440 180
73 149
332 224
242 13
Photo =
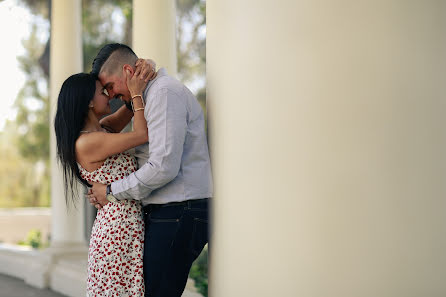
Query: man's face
115 86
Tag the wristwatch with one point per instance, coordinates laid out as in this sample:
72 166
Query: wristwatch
109 195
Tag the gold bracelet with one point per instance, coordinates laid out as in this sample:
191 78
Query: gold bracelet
141 108
142 101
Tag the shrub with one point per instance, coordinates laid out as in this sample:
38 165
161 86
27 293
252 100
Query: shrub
33 239
199 272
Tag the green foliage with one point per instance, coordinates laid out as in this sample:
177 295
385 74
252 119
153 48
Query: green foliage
37 7
27 183
24 182
199 272
191 42
32 104
98 29
33 239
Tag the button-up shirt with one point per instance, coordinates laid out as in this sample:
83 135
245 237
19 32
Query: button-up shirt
174 165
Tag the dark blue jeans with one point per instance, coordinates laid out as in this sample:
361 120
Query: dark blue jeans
175 235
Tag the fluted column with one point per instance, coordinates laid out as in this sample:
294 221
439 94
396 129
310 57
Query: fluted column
327 137
154 32
65 60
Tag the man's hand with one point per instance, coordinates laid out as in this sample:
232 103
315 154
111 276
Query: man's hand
97 195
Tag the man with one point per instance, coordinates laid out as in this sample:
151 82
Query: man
174 178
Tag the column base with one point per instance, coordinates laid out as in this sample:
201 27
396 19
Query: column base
15 260
61 267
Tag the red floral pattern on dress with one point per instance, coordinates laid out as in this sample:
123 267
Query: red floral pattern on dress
115 266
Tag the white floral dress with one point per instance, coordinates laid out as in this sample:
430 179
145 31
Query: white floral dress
115 266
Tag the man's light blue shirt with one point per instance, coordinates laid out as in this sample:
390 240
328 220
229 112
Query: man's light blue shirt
174 165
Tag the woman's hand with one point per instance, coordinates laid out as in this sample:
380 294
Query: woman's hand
97 195
136 83
148 69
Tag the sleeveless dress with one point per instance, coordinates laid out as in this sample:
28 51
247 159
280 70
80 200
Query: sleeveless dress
115 265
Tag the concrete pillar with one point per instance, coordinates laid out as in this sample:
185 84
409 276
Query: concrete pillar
67 235
65 60
327 138
154 32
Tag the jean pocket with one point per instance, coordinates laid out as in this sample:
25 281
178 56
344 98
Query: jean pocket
199 236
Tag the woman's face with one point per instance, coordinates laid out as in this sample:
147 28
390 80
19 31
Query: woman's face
100 101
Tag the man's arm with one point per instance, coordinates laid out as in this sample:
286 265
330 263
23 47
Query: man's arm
167 125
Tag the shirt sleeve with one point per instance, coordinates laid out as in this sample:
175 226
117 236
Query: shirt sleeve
166 116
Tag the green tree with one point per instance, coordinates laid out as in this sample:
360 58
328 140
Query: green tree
21 178
32 104
98 29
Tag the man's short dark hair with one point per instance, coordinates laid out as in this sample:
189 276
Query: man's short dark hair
106 51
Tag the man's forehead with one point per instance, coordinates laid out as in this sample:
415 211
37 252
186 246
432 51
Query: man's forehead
105 79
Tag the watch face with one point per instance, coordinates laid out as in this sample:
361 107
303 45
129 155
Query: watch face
111 198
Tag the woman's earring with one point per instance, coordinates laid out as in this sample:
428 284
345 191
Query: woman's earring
91 105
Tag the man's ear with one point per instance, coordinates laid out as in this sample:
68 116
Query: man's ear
127 68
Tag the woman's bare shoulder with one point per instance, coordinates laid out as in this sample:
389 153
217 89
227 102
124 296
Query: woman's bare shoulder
87 142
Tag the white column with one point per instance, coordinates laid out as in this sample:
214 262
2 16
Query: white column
65 60
62 266
327 137
154 32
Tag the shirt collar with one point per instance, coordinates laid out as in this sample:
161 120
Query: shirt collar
161 72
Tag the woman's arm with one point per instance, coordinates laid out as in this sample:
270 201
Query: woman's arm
118 120
97 146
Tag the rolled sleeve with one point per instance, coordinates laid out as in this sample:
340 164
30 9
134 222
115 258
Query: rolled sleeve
166 116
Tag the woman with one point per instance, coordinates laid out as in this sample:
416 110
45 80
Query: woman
88 152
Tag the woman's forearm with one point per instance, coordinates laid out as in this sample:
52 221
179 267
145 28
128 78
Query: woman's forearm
117 120
139 122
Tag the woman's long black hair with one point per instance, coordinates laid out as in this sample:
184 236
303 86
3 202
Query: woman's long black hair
75 95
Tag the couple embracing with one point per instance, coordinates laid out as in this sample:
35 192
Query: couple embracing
151 185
